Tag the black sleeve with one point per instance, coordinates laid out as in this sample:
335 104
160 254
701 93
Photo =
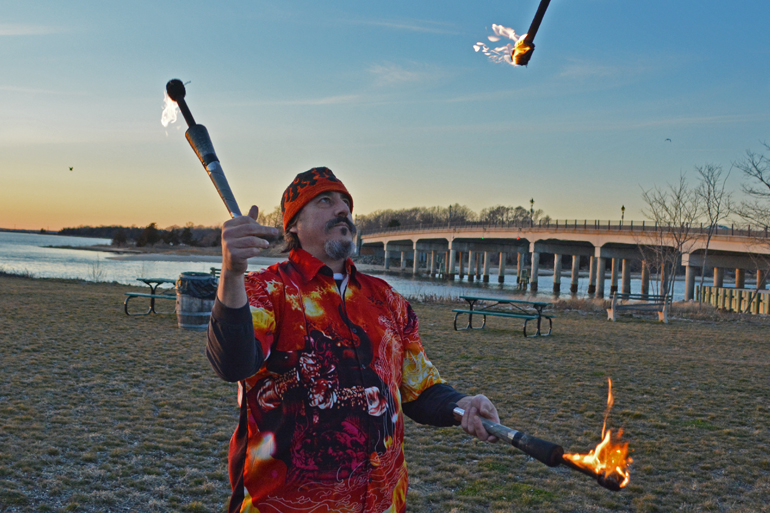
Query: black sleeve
432 406
232 349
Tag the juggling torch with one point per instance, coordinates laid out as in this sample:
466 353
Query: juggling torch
543 451
199 139
522 52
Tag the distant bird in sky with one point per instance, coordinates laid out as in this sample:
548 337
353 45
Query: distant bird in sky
70 168
669 140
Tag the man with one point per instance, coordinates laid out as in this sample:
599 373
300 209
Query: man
327 359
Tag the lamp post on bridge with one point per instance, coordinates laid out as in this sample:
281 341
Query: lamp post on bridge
531 211
622 214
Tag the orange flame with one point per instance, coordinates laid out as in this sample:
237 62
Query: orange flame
609 459
520 49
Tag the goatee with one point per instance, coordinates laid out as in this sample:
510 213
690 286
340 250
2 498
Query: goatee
339 249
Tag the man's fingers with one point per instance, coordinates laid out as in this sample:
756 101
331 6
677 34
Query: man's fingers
254 212
248 227
249 242
488 411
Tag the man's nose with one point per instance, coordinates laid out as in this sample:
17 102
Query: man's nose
341 208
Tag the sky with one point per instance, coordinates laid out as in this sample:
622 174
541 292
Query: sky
390 95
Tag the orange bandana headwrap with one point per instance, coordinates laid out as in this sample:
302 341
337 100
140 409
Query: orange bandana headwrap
307 186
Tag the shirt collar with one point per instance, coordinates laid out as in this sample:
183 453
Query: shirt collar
309 266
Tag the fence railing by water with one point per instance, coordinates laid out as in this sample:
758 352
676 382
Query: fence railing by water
736 300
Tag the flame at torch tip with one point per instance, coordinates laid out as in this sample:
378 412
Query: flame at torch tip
608 458
502 53
170 110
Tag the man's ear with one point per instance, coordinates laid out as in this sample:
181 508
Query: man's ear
293 229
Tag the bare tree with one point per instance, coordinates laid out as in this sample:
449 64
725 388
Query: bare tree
716 203
756 170
674 210
274 218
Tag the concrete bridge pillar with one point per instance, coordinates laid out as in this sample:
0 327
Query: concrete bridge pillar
740 278
573 283
601 268
625 279
461 269
556 274
471 266
645 279
592 275
719 277
387 259
501 268
403 260
450 262
478 265
432 263
689 283
519 257
416 263
760 280
535 267
614 276
485 276
575 277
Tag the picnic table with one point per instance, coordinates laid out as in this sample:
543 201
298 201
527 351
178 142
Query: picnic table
153 283
516 309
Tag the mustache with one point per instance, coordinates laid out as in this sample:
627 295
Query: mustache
340 220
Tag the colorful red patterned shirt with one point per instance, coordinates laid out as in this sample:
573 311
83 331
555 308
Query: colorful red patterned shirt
322 425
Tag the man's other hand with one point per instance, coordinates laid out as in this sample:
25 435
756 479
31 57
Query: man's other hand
243 238
476 407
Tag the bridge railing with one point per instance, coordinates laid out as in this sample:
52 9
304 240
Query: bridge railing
581 225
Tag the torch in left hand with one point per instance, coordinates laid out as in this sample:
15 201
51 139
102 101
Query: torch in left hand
199 139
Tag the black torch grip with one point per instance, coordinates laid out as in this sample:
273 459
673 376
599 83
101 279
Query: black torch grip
542 450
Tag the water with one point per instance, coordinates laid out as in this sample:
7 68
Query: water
25 253
423 287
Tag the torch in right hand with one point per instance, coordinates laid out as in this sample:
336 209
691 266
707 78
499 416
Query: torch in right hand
199 139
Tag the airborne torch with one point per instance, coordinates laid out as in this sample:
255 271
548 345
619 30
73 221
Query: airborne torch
199 139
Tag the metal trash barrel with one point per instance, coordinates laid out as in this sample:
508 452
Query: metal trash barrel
195 294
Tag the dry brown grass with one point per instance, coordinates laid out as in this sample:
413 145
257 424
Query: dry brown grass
101 412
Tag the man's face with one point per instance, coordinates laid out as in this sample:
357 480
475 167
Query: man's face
325 227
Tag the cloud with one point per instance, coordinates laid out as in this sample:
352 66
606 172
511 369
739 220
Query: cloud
7 29
341 99
35 90
393 74
426 26
579 70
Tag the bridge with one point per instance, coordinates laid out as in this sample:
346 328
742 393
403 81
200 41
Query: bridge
447 249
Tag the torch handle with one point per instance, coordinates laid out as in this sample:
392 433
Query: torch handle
535 25
542 450
199 139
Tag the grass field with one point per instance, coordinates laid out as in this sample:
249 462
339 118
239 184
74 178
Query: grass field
102 412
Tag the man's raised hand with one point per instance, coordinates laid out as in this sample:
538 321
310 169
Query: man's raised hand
243 238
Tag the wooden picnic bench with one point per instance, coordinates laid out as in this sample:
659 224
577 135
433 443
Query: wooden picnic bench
639 302
519 309
153 283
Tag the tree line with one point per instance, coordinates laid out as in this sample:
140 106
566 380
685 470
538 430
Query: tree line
453 214
189 235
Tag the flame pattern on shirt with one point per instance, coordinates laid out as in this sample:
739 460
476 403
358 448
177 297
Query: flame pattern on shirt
324 422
